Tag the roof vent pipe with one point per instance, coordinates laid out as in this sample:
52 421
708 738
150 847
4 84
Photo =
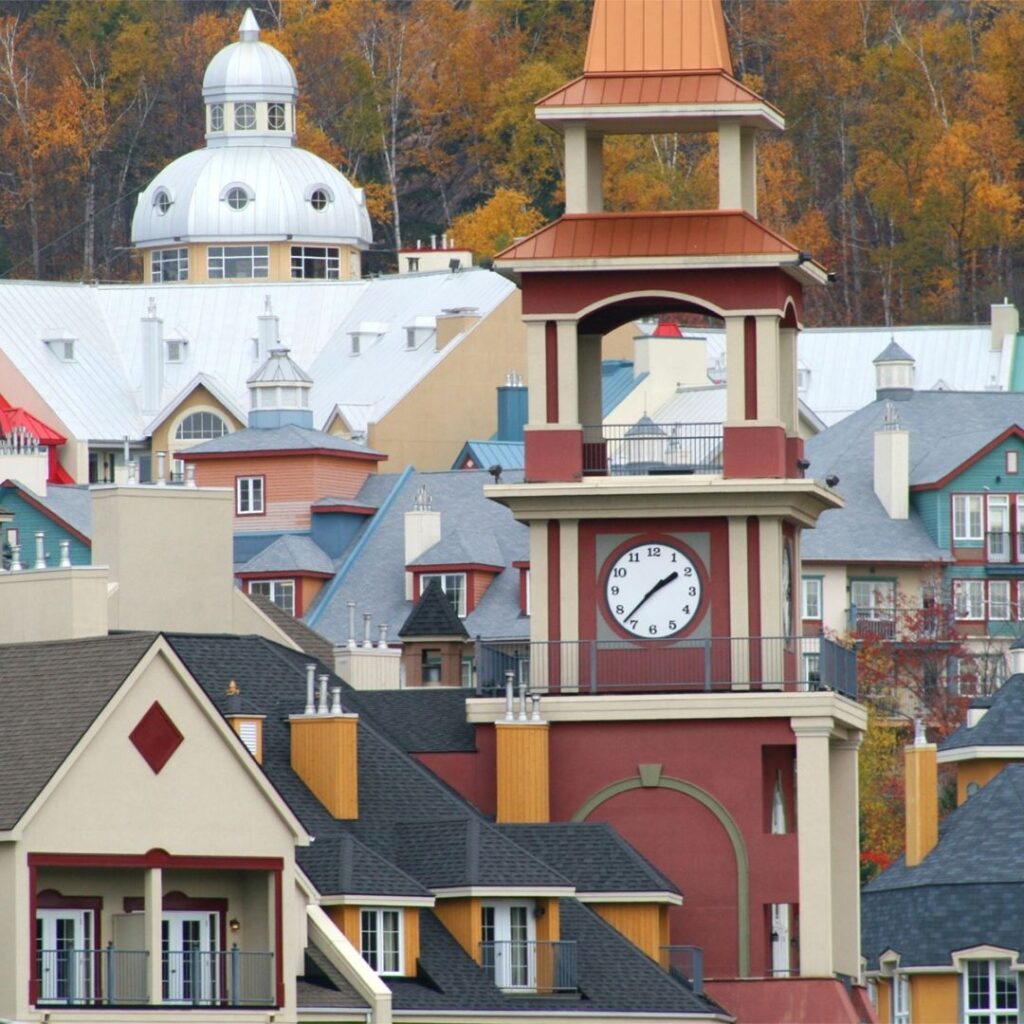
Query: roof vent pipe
522 700
351 625
510 701
367 642
40 550
133 472
322 708
190 474
433 241
382 631
335 700
161 467
535 699
15 558
65 554
310 689
152 358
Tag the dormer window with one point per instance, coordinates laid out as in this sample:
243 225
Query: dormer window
62 348
320 198
237 197
162 201
217 117
454 586
175 349
245 117
275 117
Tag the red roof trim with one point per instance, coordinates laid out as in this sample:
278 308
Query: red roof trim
268 454
523 564
455 567
1014 431
358 510
52 516
285 574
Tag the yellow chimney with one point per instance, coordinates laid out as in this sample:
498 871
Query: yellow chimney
324 747
921 797
247 724
523 771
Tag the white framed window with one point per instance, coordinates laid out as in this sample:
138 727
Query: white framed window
873 599
312 262
1012 462
508 943
169 265
216 117
275 117
281 592
967 517
998 532
812 667
999 600
65 955
249 495
380 933
900 999
200 426
810 597
990 992
162 201
238 261
969 599
780 929
245 116
453 584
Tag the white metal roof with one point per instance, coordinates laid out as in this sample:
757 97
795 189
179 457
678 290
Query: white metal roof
98 395
249 69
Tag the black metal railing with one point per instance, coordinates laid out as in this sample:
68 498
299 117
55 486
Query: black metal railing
648 448
120 977
890 623
535 967
705 665
687 963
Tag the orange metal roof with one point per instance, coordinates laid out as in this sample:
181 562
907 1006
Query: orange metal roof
687 87
637 235
657 35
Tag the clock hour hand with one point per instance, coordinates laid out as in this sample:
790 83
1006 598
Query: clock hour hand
650 593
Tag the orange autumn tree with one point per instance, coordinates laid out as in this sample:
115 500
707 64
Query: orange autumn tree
488 229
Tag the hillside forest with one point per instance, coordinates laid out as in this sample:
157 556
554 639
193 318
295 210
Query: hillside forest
900 170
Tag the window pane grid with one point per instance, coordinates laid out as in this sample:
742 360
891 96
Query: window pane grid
453 584
200 426
238 261
170 265
315 262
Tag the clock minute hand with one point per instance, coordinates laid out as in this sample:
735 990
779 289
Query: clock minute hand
650 593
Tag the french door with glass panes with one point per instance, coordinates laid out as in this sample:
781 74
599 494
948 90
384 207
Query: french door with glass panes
65 955
190 965
508 933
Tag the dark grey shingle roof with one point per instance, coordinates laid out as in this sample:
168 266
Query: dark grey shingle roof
309 640
1002 724
50 693
463 547
321 986
433 615
421 719
893 353
271 439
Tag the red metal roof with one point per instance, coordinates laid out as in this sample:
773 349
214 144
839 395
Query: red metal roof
672 233
657 35
666 88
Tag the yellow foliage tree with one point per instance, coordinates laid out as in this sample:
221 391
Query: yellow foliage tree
488 229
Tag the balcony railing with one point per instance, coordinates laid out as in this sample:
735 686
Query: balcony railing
720 664
888 623
533 967
120 977
687 963
643 449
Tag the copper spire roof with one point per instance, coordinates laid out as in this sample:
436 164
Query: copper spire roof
657 36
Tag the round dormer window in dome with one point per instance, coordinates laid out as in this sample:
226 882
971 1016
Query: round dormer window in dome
275 117
162 201
245 116
237 197
216 117
319 198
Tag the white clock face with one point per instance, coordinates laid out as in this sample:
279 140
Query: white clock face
653 590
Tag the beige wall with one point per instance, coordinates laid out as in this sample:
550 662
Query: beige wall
162 439
53 604
107 800
458 401
836 592
280 255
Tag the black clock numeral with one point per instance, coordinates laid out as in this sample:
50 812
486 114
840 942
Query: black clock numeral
686 609
693 592
672 625
654 552
634 556
618 573
620 609
688 571
673 556
653 630
615 591
635 623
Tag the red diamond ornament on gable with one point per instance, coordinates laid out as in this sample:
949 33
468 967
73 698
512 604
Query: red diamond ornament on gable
156 737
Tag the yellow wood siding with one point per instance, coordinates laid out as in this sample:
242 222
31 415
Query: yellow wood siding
934 998
884 1001
644 924
324 757
982 771
922 802
279 255
411 926
549 925
523 780
462 918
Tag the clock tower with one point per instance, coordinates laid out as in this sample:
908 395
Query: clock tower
665 559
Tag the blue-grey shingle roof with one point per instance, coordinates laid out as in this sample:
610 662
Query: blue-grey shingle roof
946 428
1002 725
507 454
893 353
289 553
272 439
463 547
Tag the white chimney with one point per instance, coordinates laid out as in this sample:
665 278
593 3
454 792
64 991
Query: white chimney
267 335
1005 324
422 531
892 465
152 359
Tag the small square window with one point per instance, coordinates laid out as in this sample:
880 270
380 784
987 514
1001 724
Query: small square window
1012 462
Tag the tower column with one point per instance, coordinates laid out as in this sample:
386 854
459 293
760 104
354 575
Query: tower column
814 845
845 857
583 170
737 168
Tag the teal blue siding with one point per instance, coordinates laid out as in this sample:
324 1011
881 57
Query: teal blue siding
926 504
28 520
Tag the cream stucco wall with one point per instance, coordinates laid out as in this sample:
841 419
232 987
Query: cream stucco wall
106 799
457 402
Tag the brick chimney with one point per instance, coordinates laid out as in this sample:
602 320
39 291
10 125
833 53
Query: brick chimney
324 745
921 761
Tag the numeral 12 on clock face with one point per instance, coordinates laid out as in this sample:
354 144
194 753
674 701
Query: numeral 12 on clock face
653 590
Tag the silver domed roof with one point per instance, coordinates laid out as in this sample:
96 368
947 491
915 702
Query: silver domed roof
249 70
284 192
